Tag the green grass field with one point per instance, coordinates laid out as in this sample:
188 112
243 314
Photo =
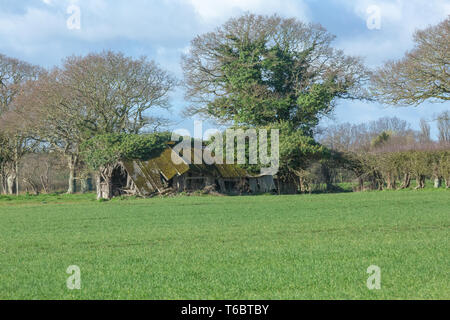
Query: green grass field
254 247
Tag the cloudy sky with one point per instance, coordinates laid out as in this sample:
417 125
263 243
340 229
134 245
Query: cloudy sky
38 31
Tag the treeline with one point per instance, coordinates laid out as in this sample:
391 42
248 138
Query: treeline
51 113
395 170
261 72
364 171
383 154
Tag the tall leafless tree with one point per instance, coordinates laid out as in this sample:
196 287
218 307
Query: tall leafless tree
443 125
95 94
15 138
425 131
423 74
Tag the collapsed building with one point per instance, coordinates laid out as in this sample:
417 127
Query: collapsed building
170 173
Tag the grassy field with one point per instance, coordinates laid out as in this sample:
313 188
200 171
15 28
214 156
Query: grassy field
255 247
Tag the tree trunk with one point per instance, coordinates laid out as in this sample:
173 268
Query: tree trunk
107 189
406 181
44 183
279 187
420 182
11 184
327 176
16 169
86 184
302 184
72 181
72 162
360 184
34 187
391 183
15 173
4 186
104 184
98 186
437 182
373 183
3 181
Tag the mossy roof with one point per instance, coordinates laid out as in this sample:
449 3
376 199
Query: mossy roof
146 175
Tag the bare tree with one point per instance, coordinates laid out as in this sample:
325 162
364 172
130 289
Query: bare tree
95 94
425 131
15 139
443 124
423 74
41 171
56 118
117 91
360 137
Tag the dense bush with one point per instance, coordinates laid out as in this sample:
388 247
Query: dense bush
108 149
392 170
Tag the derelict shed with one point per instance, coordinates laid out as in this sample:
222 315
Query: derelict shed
160 175
225 178
262 184
154 175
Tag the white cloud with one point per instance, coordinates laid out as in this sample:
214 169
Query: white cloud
399 20
219 10
38 31
161 29
33 26
404 15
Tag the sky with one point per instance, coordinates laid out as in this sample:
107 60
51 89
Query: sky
44 32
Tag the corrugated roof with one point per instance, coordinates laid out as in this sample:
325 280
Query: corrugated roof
231 171
168 168
146 175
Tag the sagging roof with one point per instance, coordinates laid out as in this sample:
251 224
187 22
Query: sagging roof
150 176
146 175
227 171
231 171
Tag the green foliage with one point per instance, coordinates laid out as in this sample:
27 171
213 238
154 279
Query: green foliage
443 161
107 149
315 103
260 70
297 150
261 85
381 139
270 72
